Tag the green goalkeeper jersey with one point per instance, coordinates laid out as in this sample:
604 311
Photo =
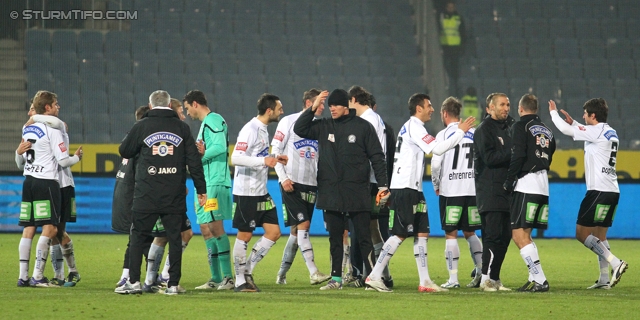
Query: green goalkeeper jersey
215 161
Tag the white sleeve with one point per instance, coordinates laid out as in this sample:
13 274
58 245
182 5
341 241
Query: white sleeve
436 164
278 144
51 121
241 155
68 161
443 146
60 149
20 160
565 128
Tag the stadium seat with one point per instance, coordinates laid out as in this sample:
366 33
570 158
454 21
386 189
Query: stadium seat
487 46
627 88
64 63
117 43
491 68
271 28
275 68
561 28
613 28
243 27
514 48
536 28
633 28
555 9
408 69
601 88
63 42
574 88
90 44
197 64
618 49
142 44
490 85
170 43
520 86
570 68
37 40
220 28
622 68
587 28
251 65
510 28
92 67
592 48
483 26
547 89
121 101
566 48
517 68
596 69
532 8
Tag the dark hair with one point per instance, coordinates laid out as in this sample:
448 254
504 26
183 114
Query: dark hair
598 107
492 97
43 98
141 111
452 106
417 99
310 94
529 103
267 101
195 95
362 96
372 100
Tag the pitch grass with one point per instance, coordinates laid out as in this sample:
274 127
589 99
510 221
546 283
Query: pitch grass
569 267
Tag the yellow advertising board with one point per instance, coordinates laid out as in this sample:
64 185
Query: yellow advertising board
567 164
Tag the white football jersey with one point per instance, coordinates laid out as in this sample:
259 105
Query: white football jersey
534 183
600 150
452 173
408 164
47 148
251 148
65 177
376 122
302 166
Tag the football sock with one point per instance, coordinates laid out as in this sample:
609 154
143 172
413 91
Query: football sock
388 249
420 253
604 265
288 255
24 251
167 264
529 254
259 251
57 262
212 257
125 273
452 256
153 263
42 252
475 248
224 257
240 261
346 259
307 250
595 245
69 257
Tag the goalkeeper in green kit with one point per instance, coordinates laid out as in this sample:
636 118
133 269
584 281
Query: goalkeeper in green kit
213 144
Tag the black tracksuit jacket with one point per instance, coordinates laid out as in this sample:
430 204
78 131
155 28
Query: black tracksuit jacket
344 163
165 148
491 158
533 147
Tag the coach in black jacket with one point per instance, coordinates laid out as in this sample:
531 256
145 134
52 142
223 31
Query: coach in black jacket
347 145
165 147
492 154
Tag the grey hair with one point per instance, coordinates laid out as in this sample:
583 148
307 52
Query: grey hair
159 98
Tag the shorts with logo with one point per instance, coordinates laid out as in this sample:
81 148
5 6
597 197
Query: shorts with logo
218 206
68 206
529 211
250 212
297 206
598 209
459 213
408 212
40 202
159 231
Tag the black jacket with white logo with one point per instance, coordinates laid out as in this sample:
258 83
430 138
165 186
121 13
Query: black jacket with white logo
348 148
165 148
533 147
491 157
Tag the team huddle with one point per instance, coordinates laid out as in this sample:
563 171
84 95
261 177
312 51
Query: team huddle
493 178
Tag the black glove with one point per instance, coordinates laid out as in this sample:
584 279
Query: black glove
509 185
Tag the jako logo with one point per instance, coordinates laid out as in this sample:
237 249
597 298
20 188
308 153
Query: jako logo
171 170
